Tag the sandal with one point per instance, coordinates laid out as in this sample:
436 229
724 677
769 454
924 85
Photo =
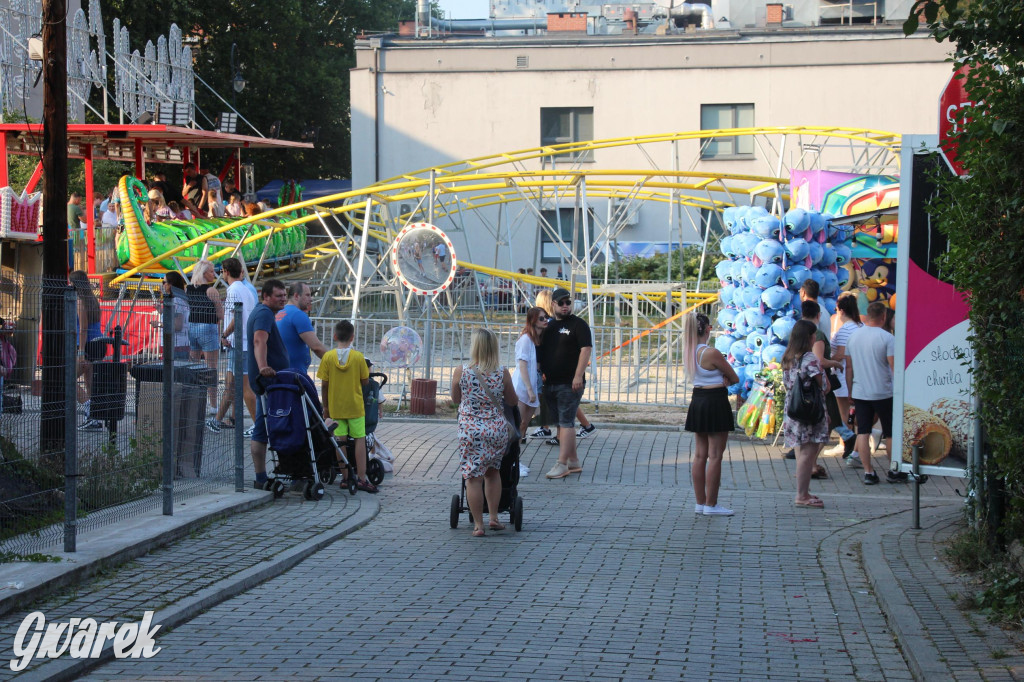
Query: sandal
479 533
819 472
496 525
228 423
811 503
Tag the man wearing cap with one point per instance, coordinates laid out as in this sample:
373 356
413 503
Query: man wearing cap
564 353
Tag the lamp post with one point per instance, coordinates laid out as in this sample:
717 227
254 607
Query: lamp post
237 80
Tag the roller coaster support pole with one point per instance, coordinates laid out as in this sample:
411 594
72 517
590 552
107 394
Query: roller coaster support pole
587 262
915 450
430 199
362 258
70 434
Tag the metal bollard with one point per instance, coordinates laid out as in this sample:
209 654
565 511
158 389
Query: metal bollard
239 371
70 427
168 415
916 468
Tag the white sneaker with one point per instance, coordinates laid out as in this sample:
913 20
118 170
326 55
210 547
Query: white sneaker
541 433
84 407
853 461
585 431
836 451
717 511
698 509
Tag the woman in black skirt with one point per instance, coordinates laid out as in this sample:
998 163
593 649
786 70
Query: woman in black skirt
710 414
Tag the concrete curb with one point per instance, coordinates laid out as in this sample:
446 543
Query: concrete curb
921 653
190 607
107 548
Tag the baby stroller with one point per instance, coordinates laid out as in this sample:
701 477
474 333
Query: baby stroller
510 501
371 405
297 434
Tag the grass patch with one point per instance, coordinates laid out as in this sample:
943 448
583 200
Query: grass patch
1000 587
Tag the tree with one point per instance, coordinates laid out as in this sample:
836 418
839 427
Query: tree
982 216
295 61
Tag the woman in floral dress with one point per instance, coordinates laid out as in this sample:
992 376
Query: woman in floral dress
484 435
800 364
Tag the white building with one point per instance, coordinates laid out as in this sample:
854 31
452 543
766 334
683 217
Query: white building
422 102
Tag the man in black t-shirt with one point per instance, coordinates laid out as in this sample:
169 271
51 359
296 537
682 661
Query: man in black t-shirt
564 355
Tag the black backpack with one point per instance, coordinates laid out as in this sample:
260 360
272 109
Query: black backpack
805 404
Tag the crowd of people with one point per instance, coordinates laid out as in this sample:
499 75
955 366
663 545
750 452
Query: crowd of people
550 362
200 195
852 363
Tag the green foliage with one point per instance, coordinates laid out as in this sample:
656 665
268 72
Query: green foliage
295 60
33 557
110 477
983 219
655 268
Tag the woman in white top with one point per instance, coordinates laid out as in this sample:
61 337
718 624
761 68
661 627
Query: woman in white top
849 319
526 376
709 415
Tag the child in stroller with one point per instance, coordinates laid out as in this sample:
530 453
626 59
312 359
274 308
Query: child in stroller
297 434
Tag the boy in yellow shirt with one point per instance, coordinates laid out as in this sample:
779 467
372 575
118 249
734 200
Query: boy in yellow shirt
343 373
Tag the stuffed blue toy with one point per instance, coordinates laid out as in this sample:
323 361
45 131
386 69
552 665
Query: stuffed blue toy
766 226
768 275
772 353
726 294
830 285
776 297
796 221
737 270
755 342
741 328
726 247
750 297
755 319
723 342
783 326
795 303
828 256
797 250
727 320
744 244
738 351
768 251
796 276
829 303
843 275
843 254
748 271
816 252
818 226
729 218
724 271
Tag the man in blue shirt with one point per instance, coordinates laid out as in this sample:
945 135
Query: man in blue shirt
297 330
267 355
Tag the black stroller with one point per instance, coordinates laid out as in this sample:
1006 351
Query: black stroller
510 501
297 434
371 405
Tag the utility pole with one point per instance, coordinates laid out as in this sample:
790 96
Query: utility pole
55 229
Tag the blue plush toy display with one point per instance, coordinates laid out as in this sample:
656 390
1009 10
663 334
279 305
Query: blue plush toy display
769 259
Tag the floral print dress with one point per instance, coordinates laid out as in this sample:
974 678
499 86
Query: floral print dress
797 433
483 431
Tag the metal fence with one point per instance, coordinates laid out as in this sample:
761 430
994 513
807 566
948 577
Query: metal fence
87 438
631 365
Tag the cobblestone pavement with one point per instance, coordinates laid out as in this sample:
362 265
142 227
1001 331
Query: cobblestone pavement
613 577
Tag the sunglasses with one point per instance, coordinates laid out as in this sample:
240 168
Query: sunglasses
565 301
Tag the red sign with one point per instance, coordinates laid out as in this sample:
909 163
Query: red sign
953 98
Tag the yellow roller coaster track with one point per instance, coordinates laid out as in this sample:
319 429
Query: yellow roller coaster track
480 182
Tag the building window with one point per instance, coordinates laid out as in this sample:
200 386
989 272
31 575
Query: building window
561 125
720 116
562 221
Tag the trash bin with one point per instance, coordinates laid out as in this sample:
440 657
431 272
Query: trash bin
109 379
424 396
188 410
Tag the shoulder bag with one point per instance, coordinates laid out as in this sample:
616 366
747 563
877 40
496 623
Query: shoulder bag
510 412
805 404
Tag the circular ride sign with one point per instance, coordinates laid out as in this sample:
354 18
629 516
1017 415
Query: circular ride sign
423 259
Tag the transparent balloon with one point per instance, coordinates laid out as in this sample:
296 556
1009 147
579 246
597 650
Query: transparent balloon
401 347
